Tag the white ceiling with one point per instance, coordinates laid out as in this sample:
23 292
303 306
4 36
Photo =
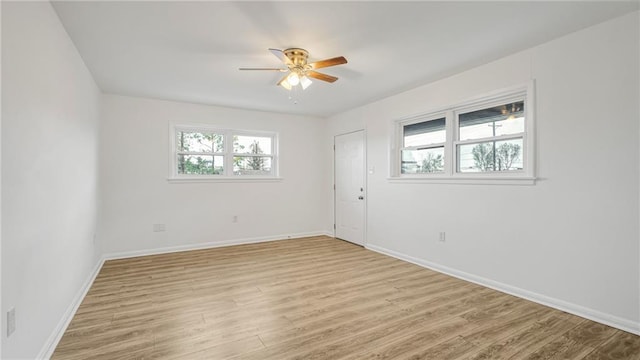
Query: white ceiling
191 51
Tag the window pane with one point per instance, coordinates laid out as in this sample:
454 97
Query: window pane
252 165
251 144
200 165
424 133
499 120
199 142
423 161
503 155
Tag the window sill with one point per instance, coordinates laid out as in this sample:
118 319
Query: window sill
244 179
464 180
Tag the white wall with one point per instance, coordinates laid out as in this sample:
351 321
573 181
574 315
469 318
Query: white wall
2 323
50 111
573 238
135 192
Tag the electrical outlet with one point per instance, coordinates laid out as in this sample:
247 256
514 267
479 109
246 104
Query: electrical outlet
158 227
234 219
11 321
442 237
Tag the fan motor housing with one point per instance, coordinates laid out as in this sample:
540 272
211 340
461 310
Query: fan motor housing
298 56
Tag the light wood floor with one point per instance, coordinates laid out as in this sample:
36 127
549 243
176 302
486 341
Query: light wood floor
316 298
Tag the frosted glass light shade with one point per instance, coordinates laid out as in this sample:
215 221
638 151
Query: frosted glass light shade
305 82
285 84
293 79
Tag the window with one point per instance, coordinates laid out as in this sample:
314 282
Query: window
204 152
199 152
423 147
252 155
490 138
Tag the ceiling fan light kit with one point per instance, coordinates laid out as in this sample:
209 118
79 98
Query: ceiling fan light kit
299 70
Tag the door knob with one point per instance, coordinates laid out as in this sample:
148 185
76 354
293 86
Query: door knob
360 197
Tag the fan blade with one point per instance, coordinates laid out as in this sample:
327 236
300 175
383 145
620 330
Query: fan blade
280 55
328 62
321 76
268 69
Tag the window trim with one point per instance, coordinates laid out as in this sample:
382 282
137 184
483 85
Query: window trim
227 153
451 175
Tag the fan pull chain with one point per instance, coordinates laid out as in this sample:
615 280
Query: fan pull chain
294 95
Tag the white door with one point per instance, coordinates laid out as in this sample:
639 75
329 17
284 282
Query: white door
349 187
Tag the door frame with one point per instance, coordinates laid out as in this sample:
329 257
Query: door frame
365 184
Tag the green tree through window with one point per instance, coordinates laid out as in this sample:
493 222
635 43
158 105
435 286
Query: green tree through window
488 157
255 162
196 153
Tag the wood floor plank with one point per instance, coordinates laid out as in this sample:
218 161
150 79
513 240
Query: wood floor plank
427 336
528 339
315 298
622 345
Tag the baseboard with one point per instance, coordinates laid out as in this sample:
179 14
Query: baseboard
587 313
52 342
209 245
329 233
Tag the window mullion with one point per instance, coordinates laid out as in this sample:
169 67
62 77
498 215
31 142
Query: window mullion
424 147
449 150
490 138
228 153
198 153
253 155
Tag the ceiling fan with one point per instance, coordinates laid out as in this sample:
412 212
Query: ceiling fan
299 70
